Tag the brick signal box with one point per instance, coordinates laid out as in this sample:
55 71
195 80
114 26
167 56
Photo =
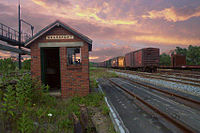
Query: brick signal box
60 58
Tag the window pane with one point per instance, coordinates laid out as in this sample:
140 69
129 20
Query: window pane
73 56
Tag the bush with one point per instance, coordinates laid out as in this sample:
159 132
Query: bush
17 102
7 65
165 60
26 65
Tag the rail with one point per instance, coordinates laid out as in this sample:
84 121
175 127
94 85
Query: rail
164 91
11 36
178 124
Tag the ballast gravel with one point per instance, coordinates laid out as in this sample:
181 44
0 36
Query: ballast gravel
177 86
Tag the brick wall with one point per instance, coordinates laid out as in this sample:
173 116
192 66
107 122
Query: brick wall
74 78
35 62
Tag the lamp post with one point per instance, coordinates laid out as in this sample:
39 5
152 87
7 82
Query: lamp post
19 22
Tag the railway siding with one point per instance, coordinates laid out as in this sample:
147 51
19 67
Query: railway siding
187 116
134 118
193 90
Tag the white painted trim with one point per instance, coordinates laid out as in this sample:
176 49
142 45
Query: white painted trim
117 121
61 44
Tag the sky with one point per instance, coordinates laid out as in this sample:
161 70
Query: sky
115 26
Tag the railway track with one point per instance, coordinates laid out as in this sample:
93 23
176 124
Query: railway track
173 76
150 99
189 101
182 74
191 82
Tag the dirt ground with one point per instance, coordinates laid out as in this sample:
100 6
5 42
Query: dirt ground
102 122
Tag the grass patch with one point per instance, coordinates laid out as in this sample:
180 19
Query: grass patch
26 106
96 73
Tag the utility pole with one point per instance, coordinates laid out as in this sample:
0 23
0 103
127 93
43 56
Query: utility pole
19 21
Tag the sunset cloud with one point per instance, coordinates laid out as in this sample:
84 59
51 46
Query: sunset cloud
54 3
115 26
96 14
174 14
103 54
167 40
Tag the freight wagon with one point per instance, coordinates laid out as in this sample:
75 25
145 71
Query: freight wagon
108 63
118 62
146 59
178 60
101 64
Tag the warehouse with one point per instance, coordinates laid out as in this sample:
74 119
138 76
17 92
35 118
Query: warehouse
60 58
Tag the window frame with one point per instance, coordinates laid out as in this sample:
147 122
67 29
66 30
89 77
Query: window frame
74 64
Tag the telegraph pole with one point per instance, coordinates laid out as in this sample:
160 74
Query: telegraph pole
19 22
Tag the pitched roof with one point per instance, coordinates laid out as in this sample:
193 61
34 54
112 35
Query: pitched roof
65 26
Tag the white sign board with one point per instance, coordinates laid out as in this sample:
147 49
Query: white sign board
57 37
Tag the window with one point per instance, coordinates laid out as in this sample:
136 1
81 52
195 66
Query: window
73 56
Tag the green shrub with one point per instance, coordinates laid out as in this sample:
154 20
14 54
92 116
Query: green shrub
25 106
7 65
26 65
25 123
9 103
105 109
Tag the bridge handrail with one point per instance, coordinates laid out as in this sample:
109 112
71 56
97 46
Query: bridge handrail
12 34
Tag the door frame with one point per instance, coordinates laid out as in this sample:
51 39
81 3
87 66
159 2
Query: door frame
43 64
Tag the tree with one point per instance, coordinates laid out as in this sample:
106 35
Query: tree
192 54
181 51
165 60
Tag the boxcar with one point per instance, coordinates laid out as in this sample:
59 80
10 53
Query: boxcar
108 63
101 64
114 62
118 62
146 59
121 62
178 60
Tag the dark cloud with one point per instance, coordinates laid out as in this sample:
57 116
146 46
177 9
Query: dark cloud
187 10
110 52
5 8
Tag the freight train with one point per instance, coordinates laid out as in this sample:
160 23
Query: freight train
146 59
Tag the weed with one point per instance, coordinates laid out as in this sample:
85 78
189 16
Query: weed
25 124
9 103
105 109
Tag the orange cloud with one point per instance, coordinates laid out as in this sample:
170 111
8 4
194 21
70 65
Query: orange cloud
5 54
40 2
166 40
76 11
93 57
174 14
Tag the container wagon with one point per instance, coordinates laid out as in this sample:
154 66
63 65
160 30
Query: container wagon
146 59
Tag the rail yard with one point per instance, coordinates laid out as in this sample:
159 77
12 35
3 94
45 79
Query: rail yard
164 101
149 96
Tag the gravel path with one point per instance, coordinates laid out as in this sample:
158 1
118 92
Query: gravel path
177 86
